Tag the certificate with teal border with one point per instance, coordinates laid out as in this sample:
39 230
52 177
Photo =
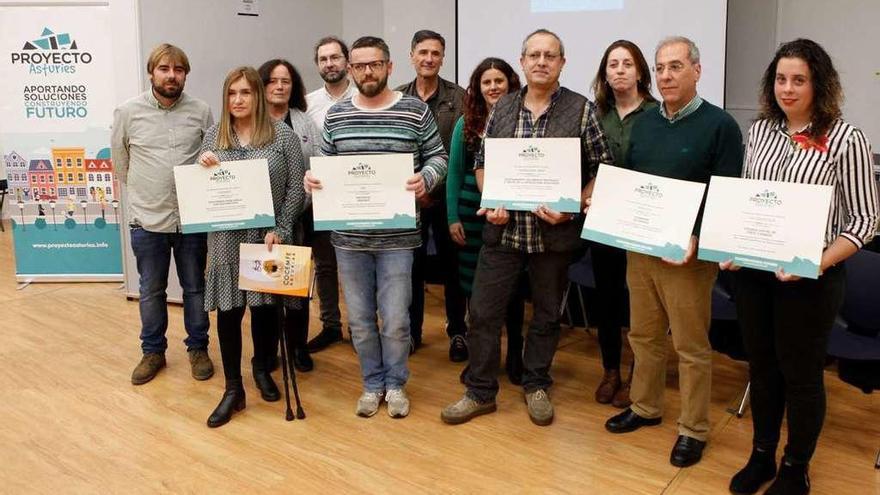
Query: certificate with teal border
525 173
766 225
233 195
643 213
363 192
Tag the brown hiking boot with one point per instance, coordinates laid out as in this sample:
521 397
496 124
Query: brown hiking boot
202 367
147 369
621 398
608 387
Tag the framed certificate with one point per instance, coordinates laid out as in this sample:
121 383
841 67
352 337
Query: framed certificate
765 225
522 174
643 213
286 270
230 196
363 192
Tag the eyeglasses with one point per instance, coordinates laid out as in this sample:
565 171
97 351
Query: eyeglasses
548 56
374 66
331 58
674 67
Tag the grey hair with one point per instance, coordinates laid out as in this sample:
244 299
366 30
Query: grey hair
547 32
693 51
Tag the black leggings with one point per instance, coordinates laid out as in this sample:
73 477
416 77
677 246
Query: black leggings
785 329
612 301
264 330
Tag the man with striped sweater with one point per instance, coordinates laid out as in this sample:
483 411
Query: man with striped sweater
376 265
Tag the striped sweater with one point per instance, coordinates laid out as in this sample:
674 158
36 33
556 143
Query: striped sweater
405 126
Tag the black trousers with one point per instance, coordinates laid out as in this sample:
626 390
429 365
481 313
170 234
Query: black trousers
785 329
456 303
498 272
264 331
612 300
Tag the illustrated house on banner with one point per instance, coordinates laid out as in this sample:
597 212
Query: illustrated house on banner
70 170
41 178
100 180
17 176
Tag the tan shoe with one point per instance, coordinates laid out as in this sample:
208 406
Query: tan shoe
147 369
202 367
465 410
540 408
608 387
621 398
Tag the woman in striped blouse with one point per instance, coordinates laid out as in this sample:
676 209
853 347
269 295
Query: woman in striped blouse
799 137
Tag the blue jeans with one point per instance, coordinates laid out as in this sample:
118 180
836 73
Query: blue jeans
153 250
371 281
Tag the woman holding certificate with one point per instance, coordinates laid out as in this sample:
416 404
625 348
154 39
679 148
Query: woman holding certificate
286 98
799 137
623 93
245 132
492 79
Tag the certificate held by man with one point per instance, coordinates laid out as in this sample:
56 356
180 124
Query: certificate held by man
525 173
643 213
363 192
765 225
230 196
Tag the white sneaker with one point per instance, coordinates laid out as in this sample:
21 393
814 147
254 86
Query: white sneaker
368 404
398 403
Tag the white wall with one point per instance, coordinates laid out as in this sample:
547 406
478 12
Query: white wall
848 30
396 21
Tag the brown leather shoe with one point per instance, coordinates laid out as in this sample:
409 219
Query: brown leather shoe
200 362
608 387
621 399
147 369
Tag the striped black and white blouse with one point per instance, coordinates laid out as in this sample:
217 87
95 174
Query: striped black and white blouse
842 160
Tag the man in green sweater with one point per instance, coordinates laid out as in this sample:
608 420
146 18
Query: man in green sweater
690 139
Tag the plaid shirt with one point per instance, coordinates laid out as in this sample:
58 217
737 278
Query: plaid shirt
522 231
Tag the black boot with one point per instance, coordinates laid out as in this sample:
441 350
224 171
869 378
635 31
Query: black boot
760 469
792 479
268 390
232 402
298 335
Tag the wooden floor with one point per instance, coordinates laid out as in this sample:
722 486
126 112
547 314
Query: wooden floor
71 422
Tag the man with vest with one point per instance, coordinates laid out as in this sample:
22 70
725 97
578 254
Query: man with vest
543 240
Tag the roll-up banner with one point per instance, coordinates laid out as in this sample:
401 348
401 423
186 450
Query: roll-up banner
57 107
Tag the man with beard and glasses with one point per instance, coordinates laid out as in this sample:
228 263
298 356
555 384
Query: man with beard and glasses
376 265
152 133
331 57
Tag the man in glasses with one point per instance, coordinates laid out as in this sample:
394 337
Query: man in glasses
544 240
446 101
376 265
331 58
689 139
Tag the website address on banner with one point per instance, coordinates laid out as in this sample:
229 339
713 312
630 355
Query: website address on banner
72 245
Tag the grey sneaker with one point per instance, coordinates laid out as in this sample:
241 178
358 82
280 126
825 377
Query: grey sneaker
200 362
540 408
398 403
465 410
368 404
147 369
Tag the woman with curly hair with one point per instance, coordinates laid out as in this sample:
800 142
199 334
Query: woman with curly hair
492 79
785 320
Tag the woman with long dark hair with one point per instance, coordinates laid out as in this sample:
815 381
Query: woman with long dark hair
492 79
799 137
246 132
622 89
286 99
